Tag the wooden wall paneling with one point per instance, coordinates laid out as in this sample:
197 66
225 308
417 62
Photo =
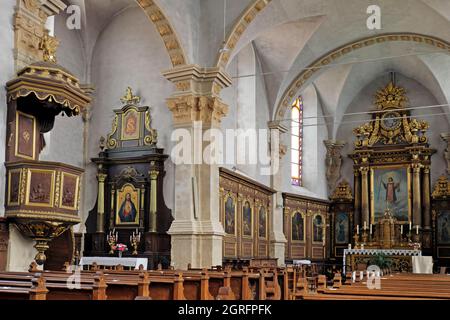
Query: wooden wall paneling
4 239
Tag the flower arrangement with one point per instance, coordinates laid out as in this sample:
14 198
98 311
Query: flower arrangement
414 245
120 247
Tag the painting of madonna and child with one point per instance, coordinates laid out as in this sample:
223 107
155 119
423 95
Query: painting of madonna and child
390 191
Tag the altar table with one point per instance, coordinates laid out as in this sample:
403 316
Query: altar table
422 264
400 257
114 261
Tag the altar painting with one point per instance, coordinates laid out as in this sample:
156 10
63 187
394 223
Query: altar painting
342 228
390 188
443 227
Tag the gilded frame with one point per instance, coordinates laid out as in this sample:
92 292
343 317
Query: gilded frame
324 223
10 172
16 147
119 193
267 221
372 200
229 194
303 215
52 188
138 124
77 184
252 216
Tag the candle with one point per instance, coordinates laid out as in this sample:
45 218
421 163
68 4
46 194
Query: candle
401 229
365 225
370 228
357 229
417 229
410 225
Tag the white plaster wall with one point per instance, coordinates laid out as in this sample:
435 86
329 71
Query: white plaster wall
418 96
20 251
7 67
129 52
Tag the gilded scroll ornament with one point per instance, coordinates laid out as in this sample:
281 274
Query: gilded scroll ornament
442 188
343 192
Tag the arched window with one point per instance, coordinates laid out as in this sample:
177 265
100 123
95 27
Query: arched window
296 141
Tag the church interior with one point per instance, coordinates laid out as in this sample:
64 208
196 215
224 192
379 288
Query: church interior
225 150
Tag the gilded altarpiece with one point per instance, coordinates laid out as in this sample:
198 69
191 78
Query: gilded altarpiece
392 160
305 228
245 213
130 174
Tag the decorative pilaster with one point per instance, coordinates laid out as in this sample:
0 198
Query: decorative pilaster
153 200
101 177
365 208
357 187
29 29
196 232
417 206
446 138
333 162
426 205
277 239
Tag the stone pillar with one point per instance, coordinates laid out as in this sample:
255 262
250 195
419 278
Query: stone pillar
196 232
29 29
101 177
365 207
357 211
333 162
277 238
446 138
417 206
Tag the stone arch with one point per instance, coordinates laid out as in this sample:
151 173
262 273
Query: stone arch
238 29
165 30
327 59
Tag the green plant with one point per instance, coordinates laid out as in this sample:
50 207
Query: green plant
381 260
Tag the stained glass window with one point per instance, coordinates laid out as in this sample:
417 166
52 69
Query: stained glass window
296 141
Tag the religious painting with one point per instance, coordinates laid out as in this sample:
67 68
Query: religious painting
247 219
230 216
40 188
443 227
127 207
14 187
69 191
341 228
131 125
390 192
262 222
317 228
25 136
298 227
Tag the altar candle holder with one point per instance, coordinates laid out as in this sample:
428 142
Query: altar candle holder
112 240
135 240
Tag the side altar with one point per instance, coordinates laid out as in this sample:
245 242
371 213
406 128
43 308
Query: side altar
130 208
390 206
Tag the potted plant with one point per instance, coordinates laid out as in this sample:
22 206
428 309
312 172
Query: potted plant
381 260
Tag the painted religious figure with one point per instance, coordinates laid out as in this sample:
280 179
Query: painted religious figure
230 210
127 206
297 227
130 125
317 229
41 187
391 192
262 222
341 228
247 219
443 227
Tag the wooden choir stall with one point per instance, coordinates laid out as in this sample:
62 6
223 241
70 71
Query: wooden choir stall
130 206
390 212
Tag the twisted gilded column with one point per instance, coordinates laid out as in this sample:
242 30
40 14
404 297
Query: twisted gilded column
365 207
101 177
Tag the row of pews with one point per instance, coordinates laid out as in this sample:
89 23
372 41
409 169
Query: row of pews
119 284
390 286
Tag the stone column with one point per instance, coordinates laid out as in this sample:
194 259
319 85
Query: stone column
417 206
277 238
333 162
153 200
196 232
365 209
446 138
29 29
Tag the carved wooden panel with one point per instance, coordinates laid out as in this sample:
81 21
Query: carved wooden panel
4 238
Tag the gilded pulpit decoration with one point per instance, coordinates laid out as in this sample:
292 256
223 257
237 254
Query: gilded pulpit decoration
49 45
392 123
442 188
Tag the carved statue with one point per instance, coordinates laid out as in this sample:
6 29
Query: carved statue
333 162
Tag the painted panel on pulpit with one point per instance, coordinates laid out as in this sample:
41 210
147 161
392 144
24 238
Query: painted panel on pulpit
390 191
341 228
127 206
443 227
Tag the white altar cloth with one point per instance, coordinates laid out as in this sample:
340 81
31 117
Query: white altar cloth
423 264
114 261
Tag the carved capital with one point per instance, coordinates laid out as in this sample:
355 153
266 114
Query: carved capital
333 162
102 177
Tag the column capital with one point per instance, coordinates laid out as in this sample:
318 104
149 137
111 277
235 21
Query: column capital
277 125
